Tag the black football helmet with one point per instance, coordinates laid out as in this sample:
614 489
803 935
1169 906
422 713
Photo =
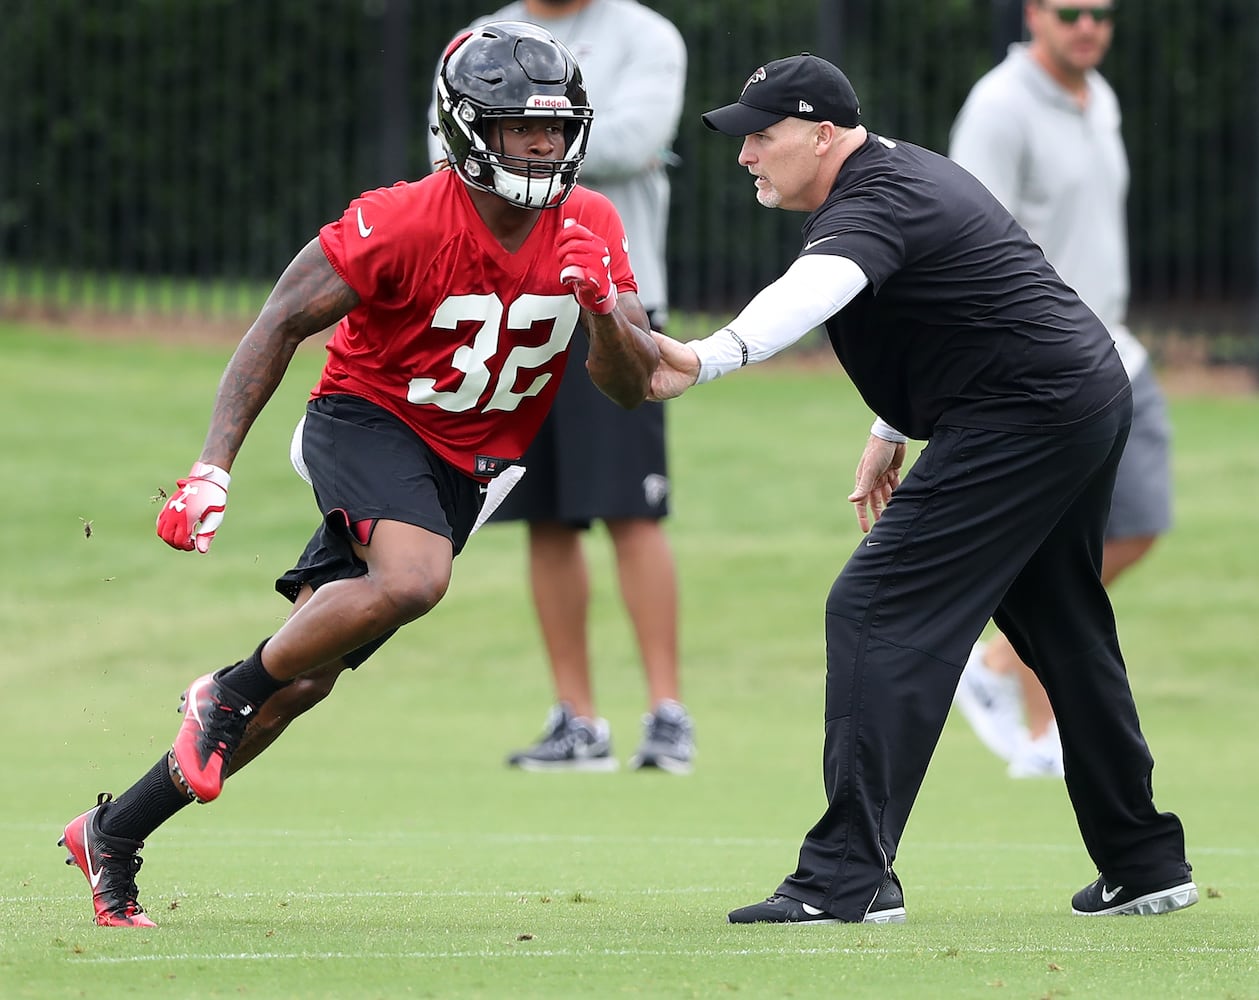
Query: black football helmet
511 69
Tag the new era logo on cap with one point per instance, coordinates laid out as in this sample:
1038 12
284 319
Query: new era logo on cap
803 86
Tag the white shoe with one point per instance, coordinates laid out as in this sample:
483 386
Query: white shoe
1038 758
993 705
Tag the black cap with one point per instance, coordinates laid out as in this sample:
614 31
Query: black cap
803 86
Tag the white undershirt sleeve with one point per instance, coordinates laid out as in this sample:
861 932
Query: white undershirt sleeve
886 432
812 290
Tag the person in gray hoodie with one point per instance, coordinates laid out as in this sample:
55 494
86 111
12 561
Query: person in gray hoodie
593 461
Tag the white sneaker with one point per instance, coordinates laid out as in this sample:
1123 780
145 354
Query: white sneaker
993 705
1038 758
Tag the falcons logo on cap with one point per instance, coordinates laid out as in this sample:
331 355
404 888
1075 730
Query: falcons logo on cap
756 77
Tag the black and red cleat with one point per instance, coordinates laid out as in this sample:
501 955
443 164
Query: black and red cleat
110 864
214 723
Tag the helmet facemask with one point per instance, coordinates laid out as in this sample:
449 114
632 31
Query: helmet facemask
511 70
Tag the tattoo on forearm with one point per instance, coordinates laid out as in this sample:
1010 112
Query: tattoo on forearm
622 357
309 297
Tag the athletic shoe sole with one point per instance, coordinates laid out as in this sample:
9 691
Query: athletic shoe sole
1151 904
585 764
893 916
775 910
660 762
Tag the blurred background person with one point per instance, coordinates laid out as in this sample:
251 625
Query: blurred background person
1042 131
593 461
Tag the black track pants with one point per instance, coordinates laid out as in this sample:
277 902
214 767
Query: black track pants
986 525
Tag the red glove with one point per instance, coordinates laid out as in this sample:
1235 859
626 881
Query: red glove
584 260
192 516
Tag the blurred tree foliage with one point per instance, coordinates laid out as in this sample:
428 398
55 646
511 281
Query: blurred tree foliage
213 138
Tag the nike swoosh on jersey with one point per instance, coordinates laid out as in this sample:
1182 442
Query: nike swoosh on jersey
807 246
364 230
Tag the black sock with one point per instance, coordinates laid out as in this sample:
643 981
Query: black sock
144 806
250 680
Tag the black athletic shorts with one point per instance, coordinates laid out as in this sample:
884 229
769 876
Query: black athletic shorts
367 465
592 460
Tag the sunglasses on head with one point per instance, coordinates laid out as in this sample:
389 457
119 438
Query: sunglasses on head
1069 15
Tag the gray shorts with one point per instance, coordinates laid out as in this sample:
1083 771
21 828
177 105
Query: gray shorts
1142 502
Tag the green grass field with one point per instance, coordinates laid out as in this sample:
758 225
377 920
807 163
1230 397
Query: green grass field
382 850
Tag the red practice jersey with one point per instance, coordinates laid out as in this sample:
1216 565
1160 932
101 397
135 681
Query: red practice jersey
462 340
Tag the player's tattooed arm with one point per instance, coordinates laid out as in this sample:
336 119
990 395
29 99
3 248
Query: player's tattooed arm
623 353
309 297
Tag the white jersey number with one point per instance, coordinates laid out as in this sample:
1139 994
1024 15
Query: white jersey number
473 359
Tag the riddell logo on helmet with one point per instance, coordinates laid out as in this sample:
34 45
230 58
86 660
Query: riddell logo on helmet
540 101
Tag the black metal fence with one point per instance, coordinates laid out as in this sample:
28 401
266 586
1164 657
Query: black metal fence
174 154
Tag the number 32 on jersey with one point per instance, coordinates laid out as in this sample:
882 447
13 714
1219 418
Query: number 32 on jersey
474 359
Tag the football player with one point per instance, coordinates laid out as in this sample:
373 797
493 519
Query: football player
454 299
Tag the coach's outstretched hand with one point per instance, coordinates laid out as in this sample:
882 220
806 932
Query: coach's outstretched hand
677 371
192 516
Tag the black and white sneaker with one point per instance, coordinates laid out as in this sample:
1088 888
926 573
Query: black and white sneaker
1103 899
668 740
569 743
780 910
888 908
889 903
